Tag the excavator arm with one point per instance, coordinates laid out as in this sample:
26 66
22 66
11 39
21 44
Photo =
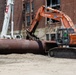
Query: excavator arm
55 14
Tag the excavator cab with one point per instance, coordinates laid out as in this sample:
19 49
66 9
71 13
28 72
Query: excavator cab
62 36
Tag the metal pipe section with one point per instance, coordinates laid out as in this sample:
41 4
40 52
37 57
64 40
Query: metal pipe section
21 46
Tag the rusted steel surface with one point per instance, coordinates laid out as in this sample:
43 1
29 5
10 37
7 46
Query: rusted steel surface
21 46
24 46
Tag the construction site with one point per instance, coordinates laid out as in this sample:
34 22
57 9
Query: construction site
37 37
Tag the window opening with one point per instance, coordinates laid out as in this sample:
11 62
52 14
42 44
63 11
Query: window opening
28 20
53 37
47 36
54 4
27 7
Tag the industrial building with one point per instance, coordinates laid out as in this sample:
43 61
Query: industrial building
25 10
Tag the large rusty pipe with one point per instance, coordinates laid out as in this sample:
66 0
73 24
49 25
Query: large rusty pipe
21 46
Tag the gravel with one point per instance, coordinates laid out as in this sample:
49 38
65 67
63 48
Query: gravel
33 64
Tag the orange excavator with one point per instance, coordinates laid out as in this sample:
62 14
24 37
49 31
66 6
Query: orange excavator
65 37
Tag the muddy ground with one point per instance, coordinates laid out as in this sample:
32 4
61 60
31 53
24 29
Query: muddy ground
32 64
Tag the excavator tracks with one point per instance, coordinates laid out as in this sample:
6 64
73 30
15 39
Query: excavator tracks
62 52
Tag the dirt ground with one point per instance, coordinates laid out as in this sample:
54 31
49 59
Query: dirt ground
31 64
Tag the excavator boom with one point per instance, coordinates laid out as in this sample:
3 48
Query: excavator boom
55 14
